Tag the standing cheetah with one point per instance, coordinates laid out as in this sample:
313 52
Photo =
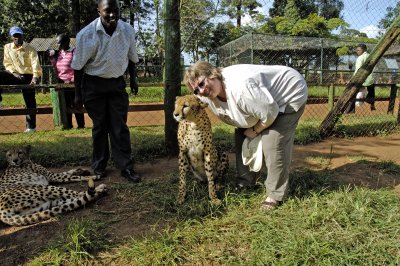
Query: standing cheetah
196 149
26 196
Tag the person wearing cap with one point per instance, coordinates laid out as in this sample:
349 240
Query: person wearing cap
264 103
104 50
22 66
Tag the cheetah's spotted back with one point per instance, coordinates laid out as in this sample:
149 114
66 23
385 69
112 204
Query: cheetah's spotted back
26 196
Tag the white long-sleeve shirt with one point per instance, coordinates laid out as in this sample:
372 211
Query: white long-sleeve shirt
258 92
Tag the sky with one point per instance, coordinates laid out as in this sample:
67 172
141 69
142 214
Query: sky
362 15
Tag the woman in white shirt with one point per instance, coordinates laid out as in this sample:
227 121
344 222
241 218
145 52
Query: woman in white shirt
258 100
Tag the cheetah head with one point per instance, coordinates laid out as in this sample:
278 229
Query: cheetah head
18 155
186 107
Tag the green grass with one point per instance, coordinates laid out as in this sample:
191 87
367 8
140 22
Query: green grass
82 238
322 223
322 91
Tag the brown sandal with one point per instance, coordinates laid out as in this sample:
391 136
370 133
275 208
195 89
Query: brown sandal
269 205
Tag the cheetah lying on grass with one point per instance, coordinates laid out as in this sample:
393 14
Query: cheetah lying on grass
196 149
26 196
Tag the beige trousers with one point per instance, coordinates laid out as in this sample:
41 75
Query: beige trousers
277 141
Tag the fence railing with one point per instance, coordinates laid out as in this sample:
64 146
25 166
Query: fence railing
52 110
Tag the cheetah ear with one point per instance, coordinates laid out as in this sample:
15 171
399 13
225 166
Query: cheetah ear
203 105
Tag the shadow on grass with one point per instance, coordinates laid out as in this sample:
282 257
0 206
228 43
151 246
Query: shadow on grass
370 174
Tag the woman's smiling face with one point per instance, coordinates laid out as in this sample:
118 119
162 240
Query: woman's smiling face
207 87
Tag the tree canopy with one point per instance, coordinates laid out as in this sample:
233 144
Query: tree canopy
201 32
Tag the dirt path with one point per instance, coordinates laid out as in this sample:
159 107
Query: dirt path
20 244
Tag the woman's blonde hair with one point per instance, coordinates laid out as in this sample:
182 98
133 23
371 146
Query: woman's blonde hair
201 68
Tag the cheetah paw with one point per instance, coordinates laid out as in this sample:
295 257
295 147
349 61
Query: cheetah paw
81 172
101 189
216 202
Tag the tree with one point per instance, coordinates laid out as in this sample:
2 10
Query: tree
196 26
311 26
236 9
37 18
351 34
392 13
304 7
330 8
324 8
45 18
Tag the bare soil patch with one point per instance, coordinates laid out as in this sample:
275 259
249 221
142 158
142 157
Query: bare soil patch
128 216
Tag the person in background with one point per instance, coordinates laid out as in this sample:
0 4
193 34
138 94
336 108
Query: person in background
22 66
368 84
61 61
265 104
104 50
362 53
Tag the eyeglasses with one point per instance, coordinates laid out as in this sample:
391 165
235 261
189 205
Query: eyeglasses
199 86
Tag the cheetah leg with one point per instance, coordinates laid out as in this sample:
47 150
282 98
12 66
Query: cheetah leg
91 194
73 175
183 171
209 166
222 169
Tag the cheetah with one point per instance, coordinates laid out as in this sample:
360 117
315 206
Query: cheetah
26 196
196 149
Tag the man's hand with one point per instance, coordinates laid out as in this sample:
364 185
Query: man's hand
134 87
18 76
132 75
34 81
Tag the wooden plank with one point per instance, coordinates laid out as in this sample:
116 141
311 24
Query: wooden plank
23 111
392 98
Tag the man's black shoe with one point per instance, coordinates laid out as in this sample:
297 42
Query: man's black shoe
100 173
131 175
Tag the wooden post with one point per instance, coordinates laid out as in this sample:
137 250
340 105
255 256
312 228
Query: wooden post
331 96
398 114
392 99
356 81
59 108
172 77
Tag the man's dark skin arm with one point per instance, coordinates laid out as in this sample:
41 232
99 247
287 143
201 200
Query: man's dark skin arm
132 74
78 75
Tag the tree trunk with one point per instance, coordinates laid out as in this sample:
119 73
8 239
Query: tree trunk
172 77
358 79
76 17
238 16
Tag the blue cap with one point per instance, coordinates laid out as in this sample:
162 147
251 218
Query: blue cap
15 30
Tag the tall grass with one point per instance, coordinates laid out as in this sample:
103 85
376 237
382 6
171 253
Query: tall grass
81 238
